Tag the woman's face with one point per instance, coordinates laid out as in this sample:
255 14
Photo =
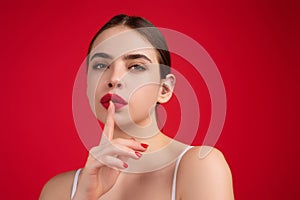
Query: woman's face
123 67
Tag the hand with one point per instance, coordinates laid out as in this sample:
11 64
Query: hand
105 161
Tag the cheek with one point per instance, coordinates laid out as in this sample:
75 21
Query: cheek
91 89
143 99
94 93
92 84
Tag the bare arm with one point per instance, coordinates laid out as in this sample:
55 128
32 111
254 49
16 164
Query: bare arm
58 187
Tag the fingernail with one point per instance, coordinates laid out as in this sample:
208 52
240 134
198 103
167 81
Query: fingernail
144 145
138 154
125 165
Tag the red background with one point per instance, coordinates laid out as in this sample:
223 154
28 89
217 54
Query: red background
254 44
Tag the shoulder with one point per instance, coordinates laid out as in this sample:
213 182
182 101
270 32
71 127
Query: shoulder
204 156
204 173
58 187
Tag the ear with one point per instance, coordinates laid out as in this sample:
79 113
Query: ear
166 88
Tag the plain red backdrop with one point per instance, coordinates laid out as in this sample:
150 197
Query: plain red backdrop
255 44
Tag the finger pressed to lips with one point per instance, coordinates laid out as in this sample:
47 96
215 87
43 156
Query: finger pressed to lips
115 152
116 99
109 125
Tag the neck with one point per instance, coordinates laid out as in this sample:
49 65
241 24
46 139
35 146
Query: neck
155 142
149 134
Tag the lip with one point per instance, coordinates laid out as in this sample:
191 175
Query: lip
118 101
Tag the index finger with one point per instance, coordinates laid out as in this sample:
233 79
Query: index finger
110 123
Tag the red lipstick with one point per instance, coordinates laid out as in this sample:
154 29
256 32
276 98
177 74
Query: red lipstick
118 101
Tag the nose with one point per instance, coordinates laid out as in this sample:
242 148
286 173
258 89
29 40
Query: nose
115 73
115 84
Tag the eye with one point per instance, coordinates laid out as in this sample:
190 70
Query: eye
100 66
137 67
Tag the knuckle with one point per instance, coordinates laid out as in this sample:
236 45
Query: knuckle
130 152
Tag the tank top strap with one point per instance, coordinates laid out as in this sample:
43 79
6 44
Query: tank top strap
176 169
75 182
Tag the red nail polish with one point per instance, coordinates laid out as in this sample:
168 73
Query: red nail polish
125 165
138 154
144 145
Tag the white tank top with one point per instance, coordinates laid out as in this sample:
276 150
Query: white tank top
74 187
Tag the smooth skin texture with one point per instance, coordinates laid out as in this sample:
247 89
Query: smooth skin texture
103 177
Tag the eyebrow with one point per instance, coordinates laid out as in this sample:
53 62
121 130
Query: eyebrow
101 55
126 57
137 56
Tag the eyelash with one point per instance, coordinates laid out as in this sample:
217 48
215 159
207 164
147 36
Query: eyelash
103 66
136 67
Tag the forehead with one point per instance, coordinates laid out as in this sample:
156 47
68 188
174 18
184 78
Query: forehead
120 40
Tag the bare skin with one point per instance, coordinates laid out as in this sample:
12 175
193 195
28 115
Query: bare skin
214 183
207 178
107 172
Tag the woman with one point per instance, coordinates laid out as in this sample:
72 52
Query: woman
128 75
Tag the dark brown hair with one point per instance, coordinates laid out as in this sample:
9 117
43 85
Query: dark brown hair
152 34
